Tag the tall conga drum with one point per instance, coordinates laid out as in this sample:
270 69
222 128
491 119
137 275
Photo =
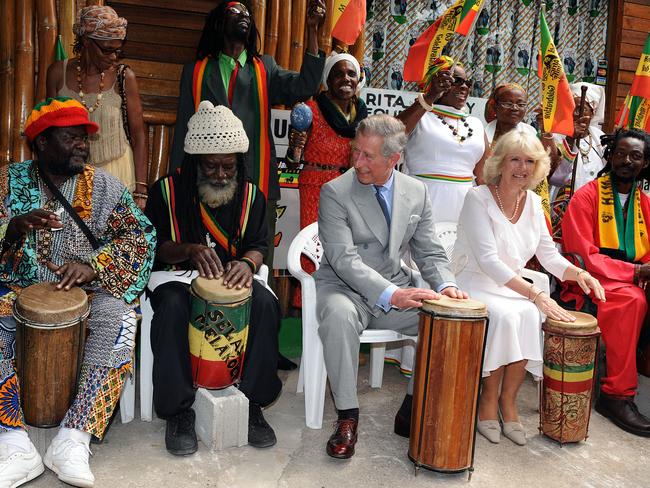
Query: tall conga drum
218 332
570 356
449 359
50 337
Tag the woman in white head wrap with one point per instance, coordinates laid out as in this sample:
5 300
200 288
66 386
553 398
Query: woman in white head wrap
584 144
337 112
110 93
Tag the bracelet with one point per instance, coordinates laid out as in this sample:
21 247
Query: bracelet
140 195
580 272
537 296
637 272
530 289
251 264
547 135
142 183
423 103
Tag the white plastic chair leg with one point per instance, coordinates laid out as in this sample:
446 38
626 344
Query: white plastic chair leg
301 379
146 362
127 399
377 353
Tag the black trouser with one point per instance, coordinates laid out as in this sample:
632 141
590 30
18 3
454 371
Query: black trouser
173 390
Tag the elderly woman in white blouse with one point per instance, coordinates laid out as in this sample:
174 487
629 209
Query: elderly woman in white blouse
501 227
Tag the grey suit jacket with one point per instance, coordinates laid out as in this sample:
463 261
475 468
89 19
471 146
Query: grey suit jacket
360 254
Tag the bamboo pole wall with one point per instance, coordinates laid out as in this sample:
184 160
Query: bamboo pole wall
284 41
23 77
259 14
66 19
47 32
7 64
272 26
298 16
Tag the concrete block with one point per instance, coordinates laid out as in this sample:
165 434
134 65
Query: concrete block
221 418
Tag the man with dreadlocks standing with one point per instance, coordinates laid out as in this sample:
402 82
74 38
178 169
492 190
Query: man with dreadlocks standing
607 222
230 71
211 188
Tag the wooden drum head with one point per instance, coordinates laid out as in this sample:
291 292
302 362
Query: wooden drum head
584 324
215 291
455 308
43 304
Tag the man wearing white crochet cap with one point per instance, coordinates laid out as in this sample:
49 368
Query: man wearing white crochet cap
211 188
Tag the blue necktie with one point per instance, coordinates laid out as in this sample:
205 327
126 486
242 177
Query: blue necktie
382 203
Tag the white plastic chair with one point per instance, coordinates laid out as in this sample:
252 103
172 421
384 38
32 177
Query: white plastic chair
312 377
446 234
127 399
146 354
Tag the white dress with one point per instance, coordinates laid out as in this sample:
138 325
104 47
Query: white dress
445 165
489 252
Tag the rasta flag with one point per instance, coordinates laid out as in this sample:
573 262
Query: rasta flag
349 19
635 112
557 100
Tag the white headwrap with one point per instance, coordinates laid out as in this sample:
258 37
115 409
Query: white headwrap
215 130
334 58
595 96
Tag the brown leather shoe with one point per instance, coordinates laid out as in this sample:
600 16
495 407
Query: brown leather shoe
402 426
341 443
624 413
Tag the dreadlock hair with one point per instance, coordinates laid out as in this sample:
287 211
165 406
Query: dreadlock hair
189 204
211 42
610 143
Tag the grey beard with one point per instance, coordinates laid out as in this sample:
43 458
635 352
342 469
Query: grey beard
217 196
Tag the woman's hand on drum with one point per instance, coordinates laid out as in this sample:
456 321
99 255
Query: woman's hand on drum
412 297
551 309
72 274
440 84
238 275
453 292
205 260
588 284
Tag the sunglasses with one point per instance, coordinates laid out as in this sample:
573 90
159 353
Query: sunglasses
107 51
516 106
238 9
459 81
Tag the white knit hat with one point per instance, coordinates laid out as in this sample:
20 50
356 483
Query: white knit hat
215 130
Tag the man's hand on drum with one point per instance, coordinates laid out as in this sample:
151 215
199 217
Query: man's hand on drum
36 219
551 309
412 297
72 274
238 275
205 261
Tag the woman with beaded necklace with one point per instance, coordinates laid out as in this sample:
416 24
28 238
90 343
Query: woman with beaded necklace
501 227
110 93
446 147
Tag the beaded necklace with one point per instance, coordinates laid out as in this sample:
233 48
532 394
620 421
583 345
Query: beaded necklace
441 114
98 101
514 214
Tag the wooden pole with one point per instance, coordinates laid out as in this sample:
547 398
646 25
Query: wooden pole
284 41
66 18
298 19
359 47
7 81
24 77
272 25
259 14
47 32
325 42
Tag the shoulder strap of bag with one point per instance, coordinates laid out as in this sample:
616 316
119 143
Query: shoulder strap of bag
121 84
68 208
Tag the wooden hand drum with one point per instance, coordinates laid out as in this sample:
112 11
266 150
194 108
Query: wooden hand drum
570 355
50 337
448 367
218 332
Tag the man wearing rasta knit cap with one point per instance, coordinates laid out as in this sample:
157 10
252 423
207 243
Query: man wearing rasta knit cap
211 188
110 257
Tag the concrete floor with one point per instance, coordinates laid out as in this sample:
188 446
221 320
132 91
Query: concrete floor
133 455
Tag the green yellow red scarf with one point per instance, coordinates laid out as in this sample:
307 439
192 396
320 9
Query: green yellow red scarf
260 152
613 233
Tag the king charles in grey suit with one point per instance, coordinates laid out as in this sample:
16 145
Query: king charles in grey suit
367 217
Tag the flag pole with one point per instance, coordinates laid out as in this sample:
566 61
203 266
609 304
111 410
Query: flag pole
532 45
469 34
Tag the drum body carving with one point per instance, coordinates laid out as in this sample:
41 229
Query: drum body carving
50 337
218 332
570 355
449 360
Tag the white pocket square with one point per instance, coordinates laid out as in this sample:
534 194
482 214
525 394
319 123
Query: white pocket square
414 219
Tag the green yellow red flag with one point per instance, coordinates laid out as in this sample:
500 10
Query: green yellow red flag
467 17
428 47
59 50
641 83
348 20
557 100
635 113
